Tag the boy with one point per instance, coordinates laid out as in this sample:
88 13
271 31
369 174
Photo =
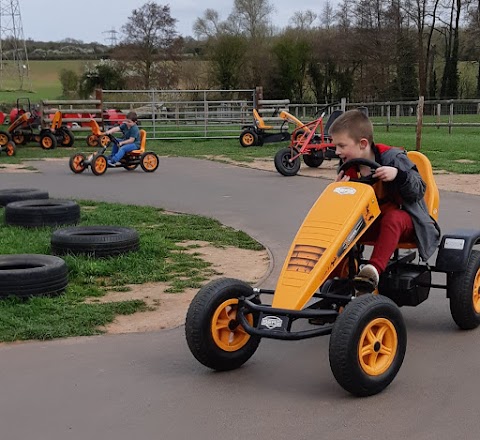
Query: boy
130 140
400 190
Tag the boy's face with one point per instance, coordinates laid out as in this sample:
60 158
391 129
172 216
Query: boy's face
348 148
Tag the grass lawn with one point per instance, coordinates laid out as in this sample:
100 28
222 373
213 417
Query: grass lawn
160 259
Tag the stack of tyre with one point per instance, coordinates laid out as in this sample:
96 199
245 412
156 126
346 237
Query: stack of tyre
27 275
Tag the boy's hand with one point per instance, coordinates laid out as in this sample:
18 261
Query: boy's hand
386 174
341 177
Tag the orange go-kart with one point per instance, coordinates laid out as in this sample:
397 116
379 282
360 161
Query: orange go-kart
97 137
97 162
315 295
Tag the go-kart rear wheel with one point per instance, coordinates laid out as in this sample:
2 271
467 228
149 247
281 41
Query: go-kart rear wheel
213 334
67 137
367 345
314 159
283 164
248 138
77 163
5 138
464 293
92 140
104 140
297 135
10 149
99 165
19 139
149 162
48 141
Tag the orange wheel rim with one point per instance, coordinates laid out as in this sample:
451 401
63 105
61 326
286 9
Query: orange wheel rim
10 150
3 139
78 162
47 142
248 139
18 139
100 164
226 332
104 140
150 162
377 346
476 292
66 139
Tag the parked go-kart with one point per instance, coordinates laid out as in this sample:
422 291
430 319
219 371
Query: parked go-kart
97 136
310 141
260 133
226 320
25 128
97 161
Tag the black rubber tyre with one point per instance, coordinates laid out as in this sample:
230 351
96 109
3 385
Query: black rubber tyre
26 275
97 241
99 165
131 167
464 293
10 149
77 163
92 140
313 160
248 138
19 139
16 194
367 345
149 162
67 137
283 164
210 327
48 141
5 138
37 213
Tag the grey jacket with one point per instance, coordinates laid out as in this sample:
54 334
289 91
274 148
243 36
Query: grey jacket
411 188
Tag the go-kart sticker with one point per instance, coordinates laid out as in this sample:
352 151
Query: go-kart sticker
272 322
345 190
454 243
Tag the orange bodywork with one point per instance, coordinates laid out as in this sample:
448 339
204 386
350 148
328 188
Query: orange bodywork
339 217
19 121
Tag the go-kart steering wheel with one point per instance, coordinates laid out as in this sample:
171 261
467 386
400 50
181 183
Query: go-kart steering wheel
370 180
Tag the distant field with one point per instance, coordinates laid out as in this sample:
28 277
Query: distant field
45 81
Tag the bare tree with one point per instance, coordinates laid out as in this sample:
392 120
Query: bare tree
207 26
303 20
328 16
150 38
252 16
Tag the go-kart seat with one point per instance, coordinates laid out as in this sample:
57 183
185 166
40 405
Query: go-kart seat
259 122
143 143
335 114
95 127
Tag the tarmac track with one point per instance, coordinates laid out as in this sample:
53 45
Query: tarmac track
148 386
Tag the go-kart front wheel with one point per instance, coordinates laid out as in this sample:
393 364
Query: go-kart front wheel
464 293
48 141
92 140
99 165
149 162
5 138
213 333
77 163
283 162
248 138
367 345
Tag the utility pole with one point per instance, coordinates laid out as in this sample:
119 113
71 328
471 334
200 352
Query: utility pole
112 37
14 68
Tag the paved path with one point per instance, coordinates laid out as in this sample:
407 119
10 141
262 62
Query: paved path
148 386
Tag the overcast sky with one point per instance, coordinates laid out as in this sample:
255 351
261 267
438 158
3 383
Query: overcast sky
90 20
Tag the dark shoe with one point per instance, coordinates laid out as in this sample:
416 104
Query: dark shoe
366 281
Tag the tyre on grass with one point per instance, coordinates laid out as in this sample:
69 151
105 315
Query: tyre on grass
16 194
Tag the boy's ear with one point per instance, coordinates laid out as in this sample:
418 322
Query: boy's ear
364 143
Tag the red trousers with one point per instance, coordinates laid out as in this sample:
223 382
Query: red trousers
392 227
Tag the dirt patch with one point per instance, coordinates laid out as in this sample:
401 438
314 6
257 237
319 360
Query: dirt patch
168 310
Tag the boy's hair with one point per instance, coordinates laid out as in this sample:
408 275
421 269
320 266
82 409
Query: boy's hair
355 124
132 116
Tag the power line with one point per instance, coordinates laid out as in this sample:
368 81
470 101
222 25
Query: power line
14 67
112 37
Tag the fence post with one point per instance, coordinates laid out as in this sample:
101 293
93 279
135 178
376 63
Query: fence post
388 117
258 96
450 118
418 143
99 96
439 115
398 112
205 110
343 104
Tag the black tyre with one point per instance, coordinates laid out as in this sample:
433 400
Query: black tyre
367 345
67 137
48 141
298 135
464 293
149 162
19 139
130 166
16 194
213 334
25 275
314 159
283 164
36 213
77 163
5 138
248 138
10 149
97 241
92 140
99 164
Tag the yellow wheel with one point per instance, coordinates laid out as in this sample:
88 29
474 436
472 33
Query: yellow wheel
4 138
464 293
367 345
99 165
149 162
48 141
104 140
77 163
213 333
248 138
